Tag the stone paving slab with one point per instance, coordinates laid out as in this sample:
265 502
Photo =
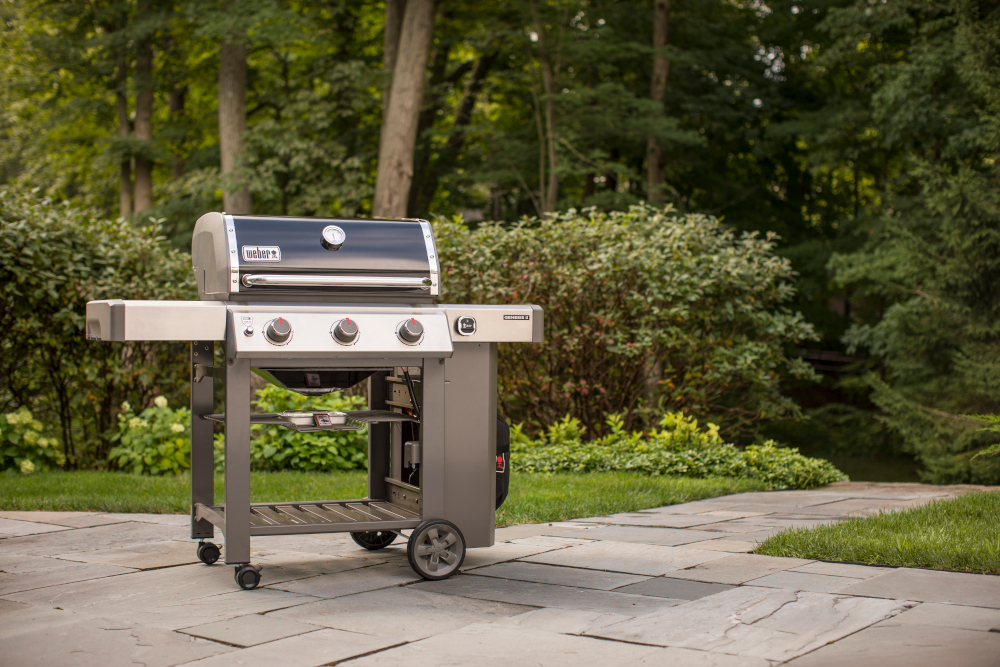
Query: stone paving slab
667 537
951 616
46 637
64 540
662 520
722 544
67 519
560 576
804 581
628 557
486 645
403 613
932 586
773 624
25 573
250 630
499 553
678 589
360 580
563 621
738 568
312 649
18 528
547 595
843 569
149 556
893 645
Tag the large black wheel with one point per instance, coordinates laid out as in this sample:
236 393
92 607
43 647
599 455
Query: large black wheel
374 539
247 576
208 553
436 549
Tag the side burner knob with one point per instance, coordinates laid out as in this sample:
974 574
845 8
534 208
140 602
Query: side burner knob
410 331
345 331
278 331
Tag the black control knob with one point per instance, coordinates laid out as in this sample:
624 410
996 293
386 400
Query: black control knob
410 331
345 331
278 331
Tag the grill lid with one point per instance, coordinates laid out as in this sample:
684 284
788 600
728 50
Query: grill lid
257 258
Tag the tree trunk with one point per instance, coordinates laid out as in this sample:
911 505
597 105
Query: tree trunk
394 11
549 85
661 69
124 128
427 186
177 96
399 125
232 123
144 120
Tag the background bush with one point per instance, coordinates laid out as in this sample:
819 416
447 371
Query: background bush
158 440
23 445
55 259
678 447
646 311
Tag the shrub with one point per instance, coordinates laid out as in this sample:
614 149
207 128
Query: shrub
23 446
158 441
679 447
646 311
278 448
56 258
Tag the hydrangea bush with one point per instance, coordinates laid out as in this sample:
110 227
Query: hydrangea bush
155 442
23 446
680 446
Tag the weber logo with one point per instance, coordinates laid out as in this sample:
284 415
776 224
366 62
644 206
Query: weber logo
517 317
261 253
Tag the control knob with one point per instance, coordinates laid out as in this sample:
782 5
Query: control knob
278 331
345 331
410 331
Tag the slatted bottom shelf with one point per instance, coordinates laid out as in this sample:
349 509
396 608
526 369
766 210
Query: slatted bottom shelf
327 516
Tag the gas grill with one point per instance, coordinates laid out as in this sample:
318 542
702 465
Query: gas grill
315 305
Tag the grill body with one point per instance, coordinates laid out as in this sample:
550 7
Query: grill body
432 415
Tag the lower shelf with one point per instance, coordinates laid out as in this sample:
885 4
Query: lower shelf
327 516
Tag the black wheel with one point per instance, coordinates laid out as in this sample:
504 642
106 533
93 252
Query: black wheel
374 539
247 576
436 549
208 553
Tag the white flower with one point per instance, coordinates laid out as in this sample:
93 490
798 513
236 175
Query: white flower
136 423
177 428
126 406
27 467
160 402
31 438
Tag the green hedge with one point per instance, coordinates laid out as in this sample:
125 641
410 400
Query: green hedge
647 311
679 447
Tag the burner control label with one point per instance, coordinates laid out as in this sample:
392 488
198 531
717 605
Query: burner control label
261 253
517 317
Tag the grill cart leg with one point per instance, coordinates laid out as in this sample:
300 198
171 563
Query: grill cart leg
436 549
202 446
237 462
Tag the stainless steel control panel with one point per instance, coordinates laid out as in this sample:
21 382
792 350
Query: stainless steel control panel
289 331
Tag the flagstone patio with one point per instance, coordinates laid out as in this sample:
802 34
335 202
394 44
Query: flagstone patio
674 585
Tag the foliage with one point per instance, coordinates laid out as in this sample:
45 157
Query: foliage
645 311
56 258
155 442
678 448
158 441
954 534
928 266
23 445
278 448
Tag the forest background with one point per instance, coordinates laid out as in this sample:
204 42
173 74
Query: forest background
863 132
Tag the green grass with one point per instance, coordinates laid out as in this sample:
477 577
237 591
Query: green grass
957 534
534 498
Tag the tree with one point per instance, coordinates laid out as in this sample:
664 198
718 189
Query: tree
661 70
233 120
399 127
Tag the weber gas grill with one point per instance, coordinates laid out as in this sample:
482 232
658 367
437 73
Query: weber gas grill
316 305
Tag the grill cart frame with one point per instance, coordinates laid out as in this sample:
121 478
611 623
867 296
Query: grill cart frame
432 412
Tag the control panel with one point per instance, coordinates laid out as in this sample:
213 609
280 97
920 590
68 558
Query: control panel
292 331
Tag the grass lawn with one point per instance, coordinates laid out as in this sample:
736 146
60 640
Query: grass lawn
957 534
534 498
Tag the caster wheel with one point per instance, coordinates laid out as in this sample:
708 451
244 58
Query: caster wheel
247 576
208 553
374 539
436 549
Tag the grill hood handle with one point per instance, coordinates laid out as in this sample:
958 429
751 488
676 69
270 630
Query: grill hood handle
279 280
